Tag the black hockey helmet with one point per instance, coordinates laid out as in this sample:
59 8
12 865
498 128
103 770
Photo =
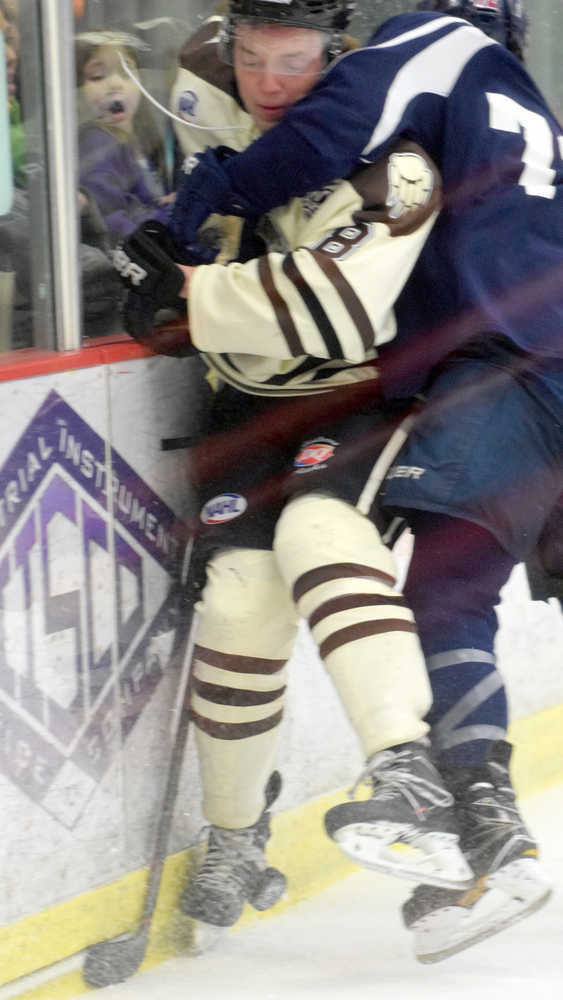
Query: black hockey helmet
504 20
329 16
324 15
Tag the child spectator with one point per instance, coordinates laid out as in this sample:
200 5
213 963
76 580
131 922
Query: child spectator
10 31
114 168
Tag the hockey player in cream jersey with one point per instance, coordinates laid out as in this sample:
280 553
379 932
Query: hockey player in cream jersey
325 245
284 525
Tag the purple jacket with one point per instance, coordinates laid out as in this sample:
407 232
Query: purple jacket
126 193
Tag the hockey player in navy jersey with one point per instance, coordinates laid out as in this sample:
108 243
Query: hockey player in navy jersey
481 332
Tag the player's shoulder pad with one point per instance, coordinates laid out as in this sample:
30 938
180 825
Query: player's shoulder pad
402 189
200 56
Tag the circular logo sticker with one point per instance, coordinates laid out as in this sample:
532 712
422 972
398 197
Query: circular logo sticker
187 103
223 508
313 454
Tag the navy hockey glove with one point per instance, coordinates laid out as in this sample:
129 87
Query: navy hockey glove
145 261
205 188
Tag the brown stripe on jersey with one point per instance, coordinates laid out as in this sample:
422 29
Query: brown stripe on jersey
336 571
350 601
361 631
235 730
280 308
231 373
318 314
355 308
221 695
237 664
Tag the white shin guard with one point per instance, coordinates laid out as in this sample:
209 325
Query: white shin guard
246 631
342 578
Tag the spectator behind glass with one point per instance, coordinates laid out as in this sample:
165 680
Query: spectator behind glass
118 169
10 30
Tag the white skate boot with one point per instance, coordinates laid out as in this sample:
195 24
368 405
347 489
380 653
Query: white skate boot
511 882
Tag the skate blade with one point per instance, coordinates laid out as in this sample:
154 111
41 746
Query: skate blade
204 937
507 897
395 849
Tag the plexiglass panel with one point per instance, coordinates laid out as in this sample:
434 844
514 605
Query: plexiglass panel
25 256
127 163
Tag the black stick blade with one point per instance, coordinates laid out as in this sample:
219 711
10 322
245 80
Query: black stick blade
113 961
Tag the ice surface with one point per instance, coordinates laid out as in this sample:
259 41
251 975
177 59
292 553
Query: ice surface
348 943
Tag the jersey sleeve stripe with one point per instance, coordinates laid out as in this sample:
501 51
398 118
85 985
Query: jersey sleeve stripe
349 297
318 314
430 28
280 308
434 70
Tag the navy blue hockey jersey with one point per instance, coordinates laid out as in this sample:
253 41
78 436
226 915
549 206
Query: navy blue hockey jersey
494 261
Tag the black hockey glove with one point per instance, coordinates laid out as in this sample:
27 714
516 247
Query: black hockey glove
145 262
205 188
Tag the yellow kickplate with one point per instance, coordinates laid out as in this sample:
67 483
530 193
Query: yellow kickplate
299 848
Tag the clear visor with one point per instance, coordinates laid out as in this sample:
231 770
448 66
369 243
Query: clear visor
278 50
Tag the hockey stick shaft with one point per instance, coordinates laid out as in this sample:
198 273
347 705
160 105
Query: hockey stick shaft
185 652
116 959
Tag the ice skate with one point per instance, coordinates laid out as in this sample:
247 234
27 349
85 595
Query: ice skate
407 827
235 871
511 882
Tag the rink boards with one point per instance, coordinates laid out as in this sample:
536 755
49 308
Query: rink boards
90 536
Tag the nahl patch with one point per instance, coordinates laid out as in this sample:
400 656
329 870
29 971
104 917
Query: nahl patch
223 508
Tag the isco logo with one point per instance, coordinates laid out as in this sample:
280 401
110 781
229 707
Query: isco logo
88 557
225 507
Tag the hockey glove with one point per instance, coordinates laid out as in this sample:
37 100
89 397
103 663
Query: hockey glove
411 183
145 261
205 188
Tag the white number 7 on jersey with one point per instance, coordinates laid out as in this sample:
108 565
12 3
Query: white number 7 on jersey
538 174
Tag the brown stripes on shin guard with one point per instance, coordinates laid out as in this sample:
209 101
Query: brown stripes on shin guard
350 602
232 697
238 664
324 574
352 632
235 730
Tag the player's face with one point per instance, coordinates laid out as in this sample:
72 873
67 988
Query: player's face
274 67
111 96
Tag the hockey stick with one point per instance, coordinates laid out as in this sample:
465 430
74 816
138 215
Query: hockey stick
114 960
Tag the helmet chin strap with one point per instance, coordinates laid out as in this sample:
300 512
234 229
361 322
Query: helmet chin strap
165 111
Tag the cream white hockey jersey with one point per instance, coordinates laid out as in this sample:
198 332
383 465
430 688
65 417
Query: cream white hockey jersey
310 314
